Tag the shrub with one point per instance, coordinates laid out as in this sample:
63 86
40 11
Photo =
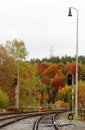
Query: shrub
61 105
12 109
4 99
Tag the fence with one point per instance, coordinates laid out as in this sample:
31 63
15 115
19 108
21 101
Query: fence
81 113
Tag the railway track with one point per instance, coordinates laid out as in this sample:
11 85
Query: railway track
9 118
52 117
40 118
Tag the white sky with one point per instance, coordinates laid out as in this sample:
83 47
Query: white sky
43 24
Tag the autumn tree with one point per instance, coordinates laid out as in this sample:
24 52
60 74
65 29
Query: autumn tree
82 76
81 94
7 72
57 83
71 67
46 80
32 90
4 99
51 71
16 49
66 95
42 67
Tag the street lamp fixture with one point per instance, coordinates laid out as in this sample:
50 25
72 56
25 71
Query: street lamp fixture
76 91
70 14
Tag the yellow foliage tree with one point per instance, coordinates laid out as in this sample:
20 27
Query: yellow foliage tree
81 94
64 93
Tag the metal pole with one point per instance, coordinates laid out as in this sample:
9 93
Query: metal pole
72 99
72 93
76 101
76 91
17 87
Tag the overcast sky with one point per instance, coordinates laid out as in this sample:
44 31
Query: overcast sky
43 25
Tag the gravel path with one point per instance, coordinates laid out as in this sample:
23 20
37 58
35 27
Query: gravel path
26 124
64 124
75 125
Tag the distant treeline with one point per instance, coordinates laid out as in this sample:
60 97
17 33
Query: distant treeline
63 59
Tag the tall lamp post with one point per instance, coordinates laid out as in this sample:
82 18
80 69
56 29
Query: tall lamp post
17 86
76 92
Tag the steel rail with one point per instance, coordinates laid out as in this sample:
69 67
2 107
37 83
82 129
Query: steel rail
54 118
11 119
36 124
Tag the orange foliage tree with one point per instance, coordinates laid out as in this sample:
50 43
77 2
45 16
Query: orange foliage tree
41 67
51 71
81 94
57 83
7 73
71 67
46 80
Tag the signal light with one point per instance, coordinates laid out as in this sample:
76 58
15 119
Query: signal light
15 81
69 79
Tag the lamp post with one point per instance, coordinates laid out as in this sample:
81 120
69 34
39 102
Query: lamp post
17 86
76 92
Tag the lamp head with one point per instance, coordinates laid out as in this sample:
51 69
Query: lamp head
70 14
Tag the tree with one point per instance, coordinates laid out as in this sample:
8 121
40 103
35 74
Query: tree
81 59
4 99
41 68
71 67
7 72
46 80
57 83
31 86
16 49
51 71
81 94
82 77
65 94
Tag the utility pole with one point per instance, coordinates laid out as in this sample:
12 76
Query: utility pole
51 52
76 91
